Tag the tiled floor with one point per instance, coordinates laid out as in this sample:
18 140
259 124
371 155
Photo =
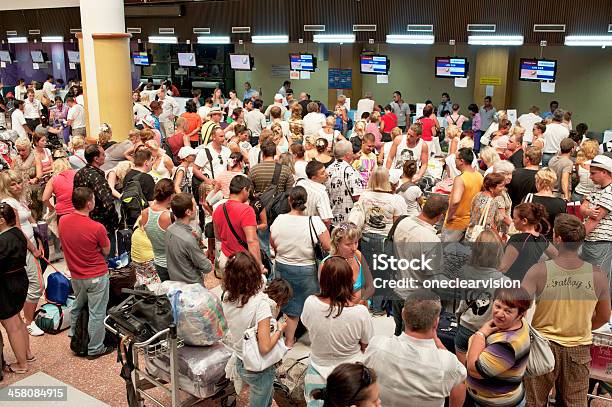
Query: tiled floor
100 379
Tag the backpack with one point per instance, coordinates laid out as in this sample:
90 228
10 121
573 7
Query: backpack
275 203
169 153
80 335
133 201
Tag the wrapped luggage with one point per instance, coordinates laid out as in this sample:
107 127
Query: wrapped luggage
197 313
201 369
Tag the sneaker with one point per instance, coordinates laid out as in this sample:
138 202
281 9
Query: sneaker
105 351
34 330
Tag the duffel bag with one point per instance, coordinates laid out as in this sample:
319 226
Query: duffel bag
53 318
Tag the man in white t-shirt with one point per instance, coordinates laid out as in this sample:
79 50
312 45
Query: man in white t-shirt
32 109
170 110
317 203
365 105
278 101
555 132
76 117
49 88
528 120
18 121
208 165
416 366
313 121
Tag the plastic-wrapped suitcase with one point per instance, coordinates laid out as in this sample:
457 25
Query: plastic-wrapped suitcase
201 368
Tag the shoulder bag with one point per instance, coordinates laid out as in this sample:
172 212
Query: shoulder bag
319 253
475 231
541 359
252 358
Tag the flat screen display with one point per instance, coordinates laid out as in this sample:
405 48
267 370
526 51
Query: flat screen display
241 62
302 62
538 70
74 56
448 67
187 59
374 64
141 58
5 56
37 56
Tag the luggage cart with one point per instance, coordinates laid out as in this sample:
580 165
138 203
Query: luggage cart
601 366
165 342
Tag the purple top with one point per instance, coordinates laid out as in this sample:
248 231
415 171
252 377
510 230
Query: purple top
476 122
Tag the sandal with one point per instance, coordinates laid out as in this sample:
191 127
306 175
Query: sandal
11 369
31 359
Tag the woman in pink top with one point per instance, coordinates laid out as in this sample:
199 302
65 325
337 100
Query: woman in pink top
429 126
235 167
374 128
60 186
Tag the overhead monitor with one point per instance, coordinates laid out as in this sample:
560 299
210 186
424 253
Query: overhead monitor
241 62
374 64
451 67
537 70
37 56
74 57
141 58
187 59
5 56
302 62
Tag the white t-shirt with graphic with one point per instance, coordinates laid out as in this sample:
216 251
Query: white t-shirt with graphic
379 209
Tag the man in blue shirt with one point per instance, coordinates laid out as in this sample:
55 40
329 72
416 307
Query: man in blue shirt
248 91
554 105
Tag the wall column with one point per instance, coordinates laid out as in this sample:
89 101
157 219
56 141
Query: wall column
493 69
345 57
105 65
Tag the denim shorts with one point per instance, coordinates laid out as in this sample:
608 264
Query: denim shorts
462 338
303 280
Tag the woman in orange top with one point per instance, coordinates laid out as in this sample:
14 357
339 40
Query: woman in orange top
194 121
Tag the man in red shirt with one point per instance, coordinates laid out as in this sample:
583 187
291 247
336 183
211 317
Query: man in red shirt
85 244
238 215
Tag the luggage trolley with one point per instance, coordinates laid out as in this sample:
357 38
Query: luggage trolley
601 364
165 343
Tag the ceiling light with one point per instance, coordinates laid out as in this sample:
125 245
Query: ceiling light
334 38
52 39
158 39
410 39
213 40
17 40
495 40
270 39
589 40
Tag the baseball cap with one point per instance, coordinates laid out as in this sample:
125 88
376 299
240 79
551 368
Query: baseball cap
185 152
278 96
602 161
215 110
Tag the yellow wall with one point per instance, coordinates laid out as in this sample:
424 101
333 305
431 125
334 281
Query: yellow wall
584 78
114 85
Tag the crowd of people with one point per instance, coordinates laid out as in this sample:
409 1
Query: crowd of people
307 197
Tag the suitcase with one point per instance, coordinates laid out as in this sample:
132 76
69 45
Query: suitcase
447 330
201 368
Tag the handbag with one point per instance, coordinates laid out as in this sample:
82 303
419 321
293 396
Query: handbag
473 232
289 383
265 260
252 359
319 253
541 358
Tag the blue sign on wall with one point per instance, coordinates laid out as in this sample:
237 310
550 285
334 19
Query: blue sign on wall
340 78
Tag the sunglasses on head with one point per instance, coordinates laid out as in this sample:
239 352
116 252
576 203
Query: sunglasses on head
366 380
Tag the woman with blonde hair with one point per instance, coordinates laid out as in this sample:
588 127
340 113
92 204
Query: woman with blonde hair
476 308
452 134
329 133
162 167
105 136
115 177
77 148
296 124
384 151
138 138
217 98
545 180
489 157
374 127
12 193
380 208
588 150
505 168
60 187
310 149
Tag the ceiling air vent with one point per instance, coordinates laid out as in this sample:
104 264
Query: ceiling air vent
420 27
549 28
34 32
610 28
241 30
9 33
314 27
75 30
364 27
166 30
486 28
201 30
134 30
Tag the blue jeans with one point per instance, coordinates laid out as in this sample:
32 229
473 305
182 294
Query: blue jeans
93 293
546 157
260 384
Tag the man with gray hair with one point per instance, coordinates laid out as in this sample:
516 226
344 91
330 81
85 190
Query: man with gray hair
416 366
344 184
365 105
555 132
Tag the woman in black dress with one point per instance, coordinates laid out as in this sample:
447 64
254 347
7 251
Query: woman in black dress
13 288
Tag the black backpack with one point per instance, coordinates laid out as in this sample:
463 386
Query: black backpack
80 337
275 203
133 201
169 153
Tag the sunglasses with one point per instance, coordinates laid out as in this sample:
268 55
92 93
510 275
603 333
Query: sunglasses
220 159
366 380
